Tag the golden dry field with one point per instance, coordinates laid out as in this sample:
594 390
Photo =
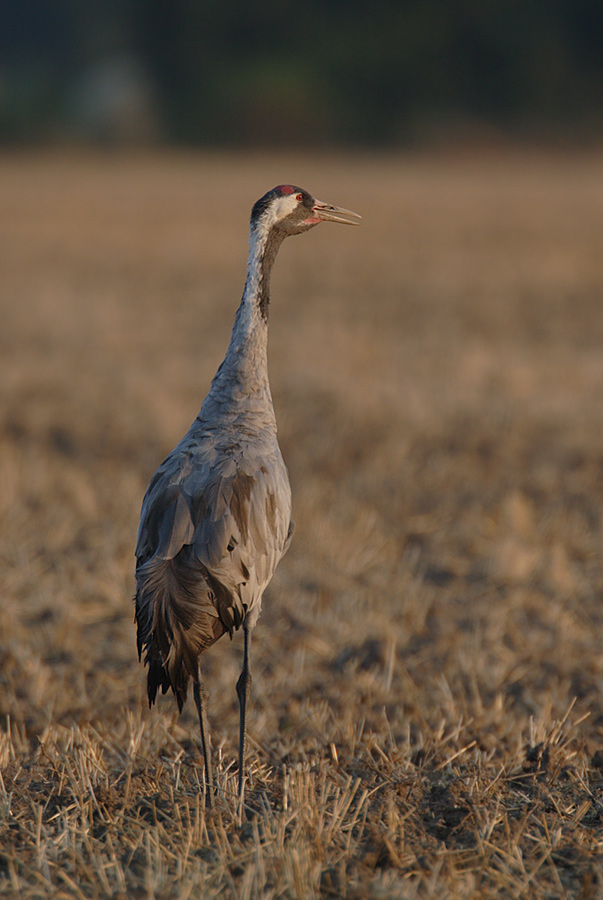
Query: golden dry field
427 702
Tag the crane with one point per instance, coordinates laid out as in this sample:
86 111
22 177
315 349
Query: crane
216 516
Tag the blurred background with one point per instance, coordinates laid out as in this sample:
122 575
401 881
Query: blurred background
277 73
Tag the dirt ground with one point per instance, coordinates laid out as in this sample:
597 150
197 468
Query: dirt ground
427 711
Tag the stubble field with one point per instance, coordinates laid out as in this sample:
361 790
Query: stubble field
427 709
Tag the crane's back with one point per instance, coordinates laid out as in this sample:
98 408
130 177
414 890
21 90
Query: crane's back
216 519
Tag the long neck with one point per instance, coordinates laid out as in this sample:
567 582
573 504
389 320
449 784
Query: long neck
264 244
244 371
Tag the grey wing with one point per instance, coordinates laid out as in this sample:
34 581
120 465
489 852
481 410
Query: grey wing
245 531
165 521
234 513
213 528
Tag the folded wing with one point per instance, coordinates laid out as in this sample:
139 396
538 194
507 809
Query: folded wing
213 528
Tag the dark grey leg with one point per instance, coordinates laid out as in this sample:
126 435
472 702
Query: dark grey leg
201 695
243 686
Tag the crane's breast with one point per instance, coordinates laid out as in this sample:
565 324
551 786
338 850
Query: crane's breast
241 531
230 503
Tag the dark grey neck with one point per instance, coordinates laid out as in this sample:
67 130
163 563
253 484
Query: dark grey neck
264 248
244 370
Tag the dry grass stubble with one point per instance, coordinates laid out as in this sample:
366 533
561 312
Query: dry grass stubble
427 714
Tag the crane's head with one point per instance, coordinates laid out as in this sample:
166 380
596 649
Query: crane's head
292 210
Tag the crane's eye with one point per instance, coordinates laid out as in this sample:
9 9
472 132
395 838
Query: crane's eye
299 197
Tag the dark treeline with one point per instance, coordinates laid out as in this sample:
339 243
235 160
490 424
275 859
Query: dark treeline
312 72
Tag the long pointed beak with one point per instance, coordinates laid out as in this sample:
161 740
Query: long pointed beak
327 213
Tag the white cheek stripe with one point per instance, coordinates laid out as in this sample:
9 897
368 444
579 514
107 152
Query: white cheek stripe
280 209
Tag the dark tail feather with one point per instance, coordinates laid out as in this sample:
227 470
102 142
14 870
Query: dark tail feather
177 620
159 678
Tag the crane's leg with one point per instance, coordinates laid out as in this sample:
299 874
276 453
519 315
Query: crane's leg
243 686
201 695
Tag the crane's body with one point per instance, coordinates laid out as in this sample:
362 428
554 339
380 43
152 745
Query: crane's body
216 517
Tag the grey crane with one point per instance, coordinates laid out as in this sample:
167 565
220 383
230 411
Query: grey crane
216 517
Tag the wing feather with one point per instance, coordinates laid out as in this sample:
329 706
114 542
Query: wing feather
215 522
